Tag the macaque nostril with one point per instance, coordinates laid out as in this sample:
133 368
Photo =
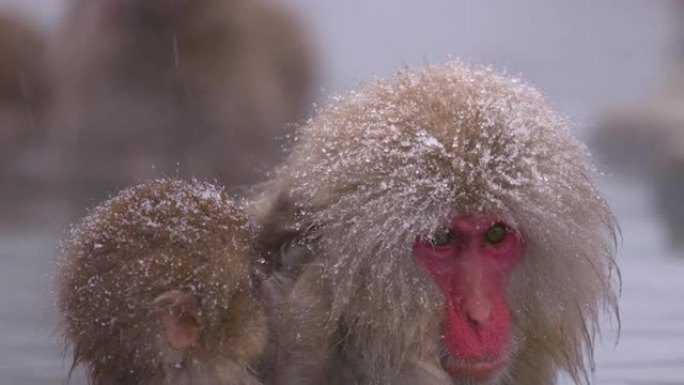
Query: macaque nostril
479 314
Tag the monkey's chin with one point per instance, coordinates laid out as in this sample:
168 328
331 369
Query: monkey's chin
480 371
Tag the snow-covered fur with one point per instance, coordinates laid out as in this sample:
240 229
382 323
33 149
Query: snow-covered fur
147 240
396 159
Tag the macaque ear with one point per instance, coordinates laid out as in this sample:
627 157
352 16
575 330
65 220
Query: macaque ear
178 313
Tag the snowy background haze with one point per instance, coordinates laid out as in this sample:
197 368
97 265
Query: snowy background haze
586 55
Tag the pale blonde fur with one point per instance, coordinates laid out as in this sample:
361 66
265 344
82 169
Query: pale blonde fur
394 160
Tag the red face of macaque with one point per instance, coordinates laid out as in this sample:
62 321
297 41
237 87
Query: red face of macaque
471 260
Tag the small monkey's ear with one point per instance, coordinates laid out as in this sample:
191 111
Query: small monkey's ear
178 313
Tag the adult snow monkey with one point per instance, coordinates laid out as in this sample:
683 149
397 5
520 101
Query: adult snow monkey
156 289
454 232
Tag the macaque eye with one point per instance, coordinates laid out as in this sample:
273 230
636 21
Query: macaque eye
441 238
496 234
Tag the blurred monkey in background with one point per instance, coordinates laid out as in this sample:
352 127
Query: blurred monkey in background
181 87
23 97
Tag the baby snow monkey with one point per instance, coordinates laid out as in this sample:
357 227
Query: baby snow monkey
156 288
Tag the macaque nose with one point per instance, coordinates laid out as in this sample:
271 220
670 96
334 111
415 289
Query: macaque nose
479 312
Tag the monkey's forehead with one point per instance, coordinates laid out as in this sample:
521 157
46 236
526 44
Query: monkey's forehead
450 123
166 209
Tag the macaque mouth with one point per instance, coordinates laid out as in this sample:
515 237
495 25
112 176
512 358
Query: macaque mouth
478 370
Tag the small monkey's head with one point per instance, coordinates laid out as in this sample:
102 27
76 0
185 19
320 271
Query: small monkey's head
156 284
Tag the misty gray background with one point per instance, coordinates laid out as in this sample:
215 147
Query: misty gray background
586 55
582 53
